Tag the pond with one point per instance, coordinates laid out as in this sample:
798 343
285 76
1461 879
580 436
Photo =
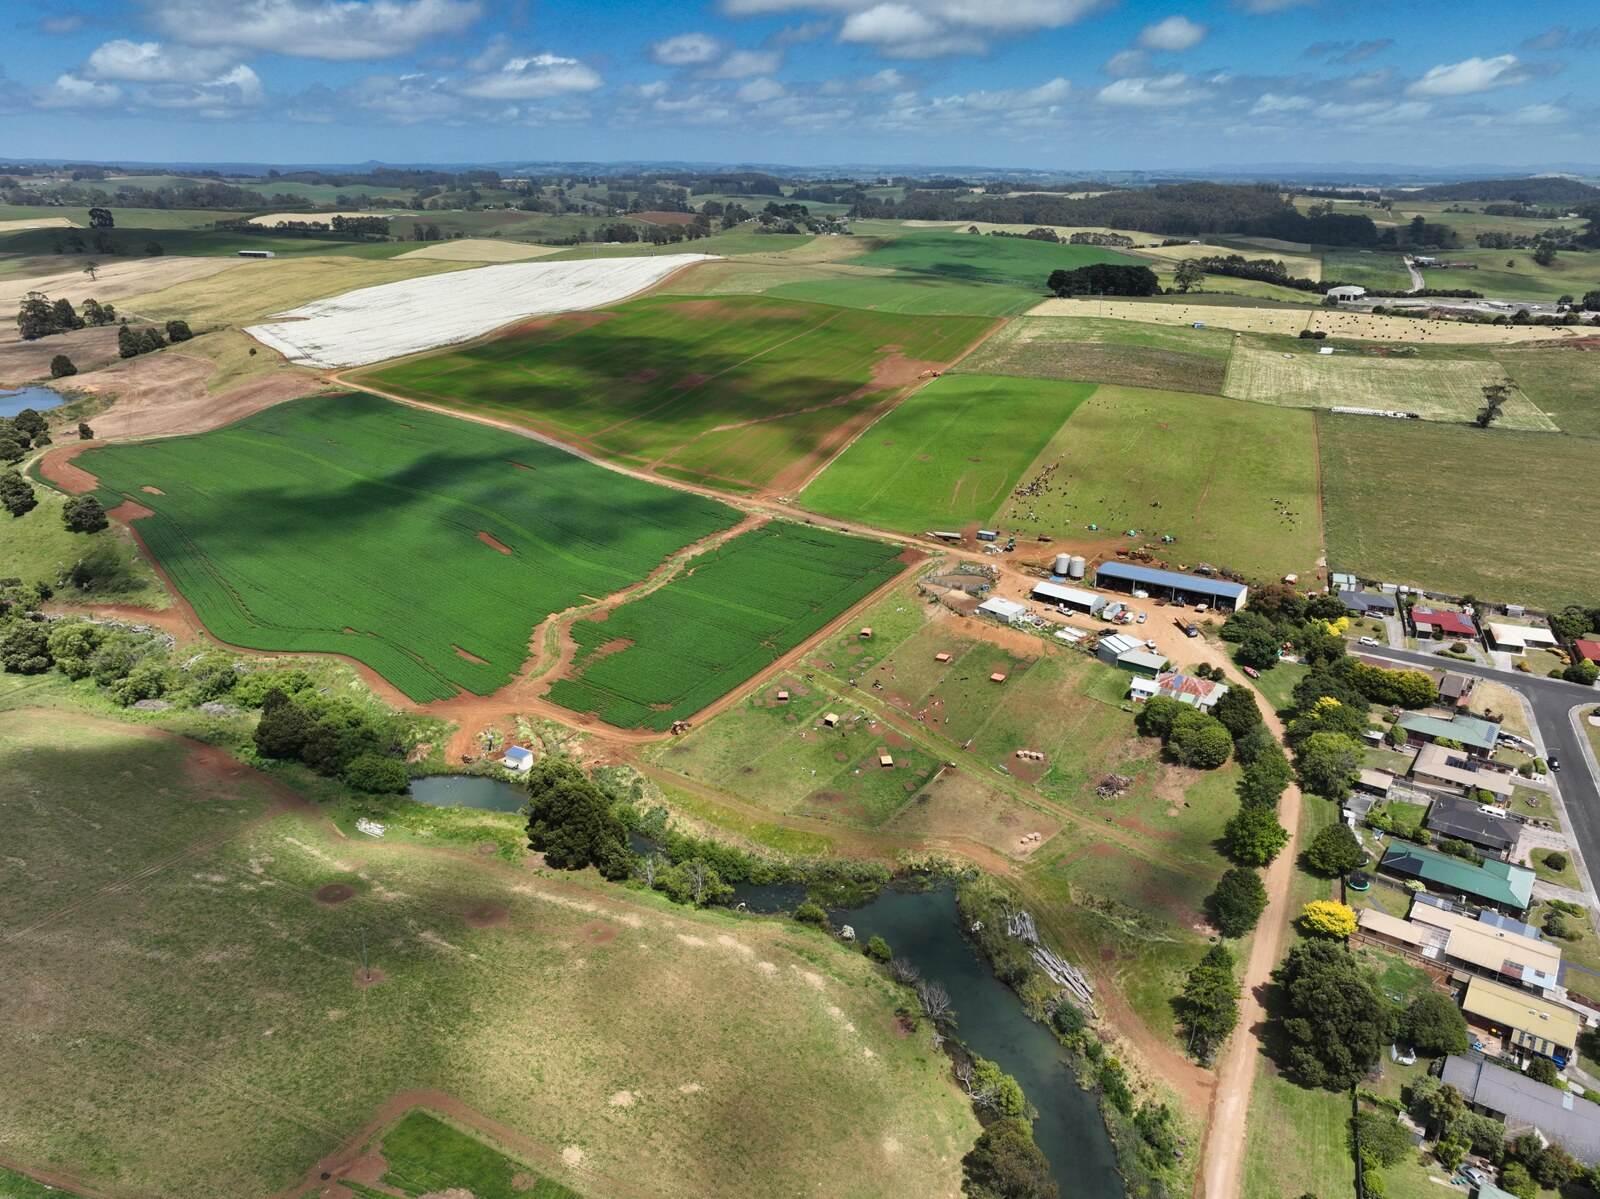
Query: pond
37 398
468 791
924 927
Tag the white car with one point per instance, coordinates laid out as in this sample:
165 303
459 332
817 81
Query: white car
1143 616
1371 641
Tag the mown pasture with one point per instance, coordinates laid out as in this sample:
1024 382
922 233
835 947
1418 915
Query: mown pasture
424 1154
1497 513
1127 353
730 612
185 1015
947 456
1564 385
1514 275
1234 483
1017 262
1376 270
423 546
738 392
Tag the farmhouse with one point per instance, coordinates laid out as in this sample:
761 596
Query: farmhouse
1484 827
1476 737
1523 1103
1186 689
517 759
1075 598
1530 1026
1516 638
1004 610
1433 622
1189 589
1498 884
1346 294
1364 603
1454 771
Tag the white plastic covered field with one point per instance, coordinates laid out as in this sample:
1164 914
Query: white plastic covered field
394 319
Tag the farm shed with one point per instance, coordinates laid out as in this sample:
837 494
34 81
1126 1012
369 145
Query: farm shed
1191 589
1478 737
1532 1025
1075 598
1375 782
1452 770
257 254
1523 1103
1142 661
518 759
1455 689
1361 603
1516 638
1436 623
1499 884
1467 821
1114 646
1004 610
1346 294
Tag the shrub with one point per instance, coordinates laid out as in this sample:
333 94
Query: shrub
1383 1139
876 948
1158 715
1542 1069
1334 851
1556 860
1067 1019
178 331
1199 740
61 367
1328 919
1434 1025
1006 1164
1254 837
16 493
811 913
1516 1179
83 514
377 773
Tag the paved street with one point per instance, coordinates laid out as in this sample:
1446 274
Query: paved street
1552 701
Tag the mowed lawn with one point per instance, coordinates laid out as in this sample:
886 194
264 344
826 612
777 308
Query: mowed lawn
949 455
739 391
1091 350
183 1015
730 612
1234 483
1495 513
424 546
1564 385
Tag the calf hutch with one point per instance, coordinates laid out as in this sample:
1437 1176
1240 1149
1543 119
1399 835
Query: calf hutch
1169 584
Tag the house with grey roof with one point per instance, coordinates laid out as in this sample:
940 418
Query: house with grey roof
1562 1117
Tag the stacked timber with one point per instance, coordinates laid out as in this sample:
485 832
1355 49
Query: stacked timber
1020 926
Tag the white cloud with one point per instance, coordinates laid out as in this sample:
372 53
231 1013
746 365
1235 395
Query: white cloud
686 50
1163 91
886 80
534 77
1127 62
69 91
1375 112
1271 102
61 24
407 99
337 30
1174 33
649 91
235 89
758 91
1470 75
928 28
901 31
1537 114
1260 7
742 64
151 62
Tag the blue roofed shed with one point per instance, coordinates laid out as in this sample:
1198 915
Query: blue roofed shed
1126 576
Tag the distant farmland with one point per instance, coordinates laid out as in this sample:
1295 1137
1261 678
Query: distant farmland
739 392
730 613
1128 353
948 456
1495 513
424 546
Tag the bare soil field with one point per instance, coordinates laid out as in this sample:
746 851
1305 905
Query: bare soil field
480 249
1306 266
37 222
115 280
270 219
25 361
1355 326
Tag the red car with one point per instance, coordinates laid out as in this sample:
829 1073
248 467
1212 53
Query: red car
1251 671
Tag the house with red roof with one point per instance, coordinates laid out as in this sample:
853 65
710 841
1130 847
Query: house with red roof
1589 651
1433 622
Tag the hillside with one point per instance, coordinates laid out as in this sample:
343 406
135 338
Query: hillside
1542 190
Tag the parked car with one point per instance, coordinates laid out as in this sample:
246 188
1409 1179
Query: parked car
1194 631
1143 616
1251 671
1371 641
1555 763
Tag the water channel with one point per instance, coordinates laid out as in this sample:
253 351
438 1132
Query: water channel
37 398
923 926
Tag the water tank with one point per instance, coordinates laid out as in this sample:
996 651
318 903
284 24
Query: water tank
1063 564
1077 566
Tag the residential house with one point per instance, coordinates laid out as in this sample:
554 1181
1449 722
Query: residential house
1530 1026
1477 737
1495 883
1368 603
1185 688
1458 772
1516 638
1432 622
1525 1104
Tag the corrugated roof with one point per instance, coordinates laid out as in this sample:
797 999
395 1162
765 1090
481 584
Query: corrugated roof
1570 1121
1537 963
1364 601
1068 595
1450 622
1497 882
1386 925
1468 821
1169 578
1143 659
1119 643
1545 1025
1003 608
1468 730
1587 649
1516 634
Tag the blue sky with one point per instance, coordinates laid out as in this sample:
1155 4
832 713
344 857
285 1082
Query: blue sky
1054 84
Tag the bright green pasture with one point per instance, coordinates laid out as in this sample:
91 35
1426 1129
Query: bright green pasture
349 524
731 612
1235 483
424 1154
1496 513
729 392
734 242
131 218
1380 270
1563 384
1128 353
948 455
1572 274
912 295
967 258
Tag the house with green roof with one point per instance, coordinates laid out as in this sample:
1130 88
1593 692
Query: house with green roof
1477 737
1498 884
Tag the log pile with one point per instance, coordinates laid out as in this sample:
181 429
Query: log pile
1020 926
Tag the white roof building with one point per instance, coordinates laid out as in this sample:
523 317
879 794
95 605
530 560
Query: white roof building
1515 638
1004 610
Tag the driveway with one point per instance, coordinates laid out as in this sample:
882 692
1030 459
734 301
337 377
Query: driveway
1552 702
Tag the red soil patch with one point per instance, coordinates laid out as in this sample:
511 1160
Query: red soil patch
129 511
615 646
334 894
148 490
494 543
370 977
598 932
57 467
487 915
469 657
715 308
577 321
665 218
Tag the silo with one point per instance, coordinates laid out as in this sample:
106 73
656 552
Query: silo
1063 564
1077 566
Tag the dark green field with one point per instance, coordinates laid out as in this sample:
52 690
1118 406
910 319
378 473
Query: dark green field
131 241
738 392
353 525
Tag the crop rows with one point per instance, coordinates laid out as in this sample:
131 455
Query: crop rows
348 524
724 618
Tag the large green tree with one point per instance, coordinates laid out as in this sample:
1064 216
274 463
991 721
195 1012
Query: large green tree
1434 1025
570 820
83 514
1238 901
1334 1021
1334 851
1006 1164
16 493
1209 1005
1328 764
1238 711
1254 837
1199 740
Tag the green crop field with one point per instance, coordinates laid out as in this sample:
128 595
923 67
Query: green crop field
1563 384
1128 353
739 391
912 295
1234 483
186 1010
1438 387
730 613
1496 513
353 525
1375 269
1514 275
131 240
127 218
948 456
